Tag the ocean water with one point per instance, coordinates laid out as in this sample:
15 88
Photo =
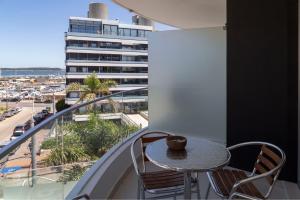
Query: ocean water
31 72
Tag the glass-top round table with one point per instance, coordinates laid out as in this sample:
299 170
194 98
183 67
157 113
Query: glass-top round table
200 155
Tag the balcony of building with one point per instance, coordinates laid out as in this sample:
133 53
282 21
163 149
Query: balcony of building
76 35
94 50
82 75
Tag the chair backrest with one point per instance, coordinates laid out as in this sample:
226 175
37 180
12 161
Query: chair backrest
268 164
144 140
268 160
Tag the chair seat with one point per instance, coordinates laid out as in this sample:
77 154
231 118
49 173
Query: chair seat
224 179
162 179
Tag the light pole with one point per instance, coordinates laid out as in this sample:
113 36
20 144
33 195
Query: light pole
53 103
33 150
6 100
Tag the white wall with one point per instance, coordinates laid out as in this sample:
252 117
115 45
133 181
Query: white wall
187 82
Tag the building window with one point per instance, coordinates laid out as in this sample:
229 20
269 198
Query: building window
84 69
121 31
133 33
127 32
110 29
74 94
141 33
85 26
73 69
128 58
147 33
94 44
106 29
114 30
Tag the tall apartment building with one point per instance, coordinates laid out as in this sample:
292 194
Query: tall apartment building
113 50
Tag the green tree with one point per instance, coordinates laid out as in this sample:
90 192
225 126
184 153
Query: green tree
98 135
61 105
85 141
74 87
92 87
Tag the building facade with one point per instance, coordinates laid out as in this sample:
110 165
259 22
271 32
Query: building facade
112 50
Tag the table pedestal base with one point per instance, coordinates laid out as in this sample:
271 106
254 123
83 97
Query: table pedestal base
187 185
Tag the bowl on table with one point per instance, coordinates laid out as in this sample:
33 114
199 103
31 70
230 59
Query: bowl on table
176 143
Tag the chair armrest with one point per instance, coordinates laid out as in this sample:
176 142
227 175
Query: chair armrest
251 179
255 143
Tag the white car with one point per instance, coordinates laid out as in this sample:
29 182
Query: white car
19 109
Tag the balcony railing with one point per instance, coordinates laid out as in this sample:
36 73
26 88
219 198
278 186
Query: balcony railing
48 160
77 47
107 61
91 35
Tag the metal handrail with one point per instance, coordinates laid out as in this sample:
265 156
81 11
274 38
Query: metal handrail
29 133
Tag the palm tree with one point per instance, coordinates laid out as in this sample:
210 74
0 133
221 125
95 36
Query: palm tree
92 87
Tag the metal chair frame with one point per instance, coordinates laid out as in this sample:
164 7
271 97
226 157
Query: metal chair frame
163 192
253 176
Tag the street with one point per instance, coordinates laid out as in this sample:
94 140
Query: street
22 155
7 126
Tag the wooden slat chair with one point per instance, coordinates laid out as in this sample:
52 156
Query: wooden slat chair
234 183
162 183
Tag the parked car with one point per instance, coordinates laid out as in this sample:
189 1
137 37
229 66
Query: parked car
27 125
45 112
20 130
14 111
19 109
8 114
39 117
2 118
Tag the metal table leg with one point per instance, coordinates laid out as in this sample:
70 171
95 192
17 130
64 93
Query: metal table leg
187 185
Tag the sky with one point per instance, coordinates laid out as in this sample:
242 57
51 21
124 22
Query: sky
32 31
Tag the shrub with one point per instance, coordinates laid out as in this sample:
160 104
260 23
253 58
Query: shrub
61 105
49 143
73 174
60 156
85 141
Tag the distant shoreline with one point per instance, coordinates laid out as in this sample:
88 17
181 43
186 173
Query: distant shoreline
31 72
31 68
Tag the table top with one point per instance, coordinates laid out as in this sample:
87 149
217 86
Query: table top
199 155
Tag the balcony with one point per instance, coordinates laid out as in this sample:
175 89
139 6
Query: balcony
103 63
124 185
37 173
122 51
198 86
82 75
114 38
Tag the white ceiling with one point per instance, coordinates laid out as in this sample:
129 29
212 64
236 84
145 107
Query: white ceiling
180 13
